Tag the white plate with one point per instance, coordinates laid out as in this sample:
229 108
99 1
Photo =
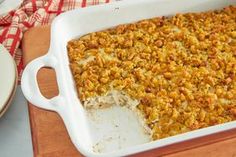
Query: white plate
8 103
8 5
7 76
1 1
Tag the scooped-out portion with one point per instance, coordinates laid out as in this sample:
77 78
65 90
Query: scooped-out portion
174 74
115 122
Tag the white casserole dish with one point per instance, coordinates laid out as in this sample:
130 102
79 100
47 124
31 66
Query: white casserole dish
76 23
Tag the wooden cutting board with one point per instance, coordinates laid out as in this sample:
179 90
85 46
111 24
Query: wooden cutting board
50 138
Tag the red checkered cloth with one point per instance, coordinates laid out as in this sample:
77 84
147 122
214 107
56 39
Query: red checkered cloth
33 13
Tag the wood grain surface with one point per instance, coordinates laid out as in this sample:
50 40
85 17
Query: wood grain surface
50 138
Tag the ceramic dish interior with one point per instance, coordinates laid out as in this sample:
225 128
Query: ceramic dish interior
8 77
92 140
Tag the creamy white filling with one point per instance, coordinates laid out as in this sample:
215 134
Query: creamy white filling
85 61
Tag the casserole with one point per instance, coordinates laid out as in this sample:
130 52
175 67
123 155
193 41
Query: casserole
78 23
171 71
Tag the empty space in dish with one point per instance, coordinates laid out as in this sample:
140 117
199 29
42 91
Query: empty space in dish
115 122
114 128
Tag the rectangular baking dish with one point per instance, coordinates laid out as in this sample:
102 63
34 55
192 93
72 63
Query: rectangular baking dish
76 23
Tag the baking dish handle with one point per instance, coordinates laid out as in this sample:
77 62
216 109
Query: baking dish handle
30 86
